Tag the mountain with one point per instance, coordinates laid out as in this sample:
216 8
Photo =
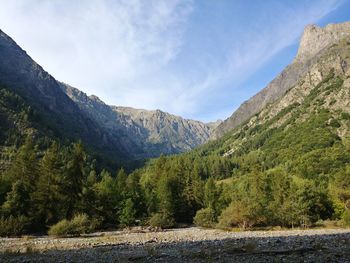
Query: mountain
313 113
145 133
66 113
286 165
55 114
314 40
161 132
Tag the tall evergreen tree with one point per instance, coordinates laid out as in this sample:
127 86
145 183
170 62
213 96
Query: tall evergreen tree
74 178
48 196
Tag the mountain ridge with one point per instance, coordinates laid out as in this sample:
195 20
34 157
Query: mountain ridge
69 114
57 115
314 40
149 133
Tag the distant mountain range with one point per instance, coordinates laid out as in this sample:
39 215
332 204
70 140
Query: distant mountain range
143 133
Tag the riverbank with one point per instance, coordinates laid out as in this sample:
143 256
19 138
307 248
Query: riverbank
183 245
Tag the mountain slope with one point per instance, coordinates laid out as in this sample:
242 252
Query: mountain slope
57 115
144 133
163 132
319 102
314 40
288 165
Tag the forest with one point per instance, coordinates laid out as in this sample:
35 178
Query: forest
295 174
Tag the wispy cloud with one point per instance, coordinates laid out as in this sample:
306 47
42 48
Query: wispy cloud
131 52
255 47
100 46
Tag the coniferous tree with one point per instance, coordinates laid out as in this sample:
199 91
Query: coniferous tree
127 214
74 178
106 198
48 196
17 200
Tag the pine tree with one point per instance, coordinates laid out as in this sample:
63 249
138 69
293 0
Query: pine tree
121 184
127 215
106 198
211 194
166 196
17 200
25 165
48 196
74 178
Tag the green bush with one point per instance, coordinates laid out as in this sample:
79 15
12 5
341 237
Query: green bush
205 217
162 220
13 226
80 224
237 214
334 123
346 217
62 228
345 116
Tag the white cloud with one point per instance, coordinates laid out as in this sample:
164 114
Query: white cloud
99 46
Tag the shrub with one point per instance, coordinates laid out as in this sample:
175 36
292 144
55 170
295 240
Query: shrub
346 218
334 123
62 228
162 220
205 217
13 226
345 116
236 214
80 224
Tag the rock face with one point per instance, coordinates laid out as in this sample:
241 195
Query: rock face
314 40
145 133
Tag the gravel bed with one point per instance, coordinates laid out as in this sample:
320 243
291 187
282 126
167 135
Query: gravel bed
183 245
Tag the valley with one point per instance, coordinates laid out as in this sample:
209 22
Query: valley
81 180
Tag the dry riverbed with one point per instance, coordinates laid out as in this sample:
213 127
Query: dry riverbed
183 245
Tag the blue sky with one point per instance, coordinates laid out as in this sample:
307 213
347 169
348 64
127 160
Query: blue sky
198 59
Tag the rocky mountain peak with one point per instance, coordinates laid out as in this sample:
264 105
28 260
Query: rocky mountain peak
315 39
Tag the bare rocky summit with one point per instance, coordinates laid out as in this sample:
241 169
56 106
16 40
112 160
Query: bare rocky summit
314 40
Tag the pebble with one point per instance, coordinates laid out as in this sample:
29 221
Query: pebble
184 245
